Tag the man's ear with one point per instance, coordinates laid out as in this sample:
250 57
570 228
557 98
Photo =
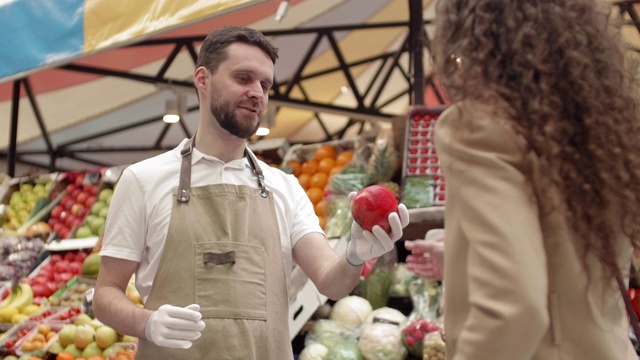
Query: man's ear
200 78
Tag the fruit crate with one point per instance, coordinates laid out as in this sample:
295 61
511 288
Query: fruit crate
23 198
420 161
77 192
302 152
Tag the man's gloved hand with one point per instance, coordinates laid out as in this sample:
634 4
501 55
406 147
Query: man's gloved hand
365 245
175 327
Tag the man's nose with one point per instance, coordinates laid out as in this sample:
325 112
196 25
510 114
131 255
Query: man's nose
255 91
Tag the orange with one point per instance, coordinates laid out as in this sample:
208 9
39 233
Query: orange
304 180
315 194
336 170
319 180
323 221
310 167
344 158
325 151
325 165
297 168
320 208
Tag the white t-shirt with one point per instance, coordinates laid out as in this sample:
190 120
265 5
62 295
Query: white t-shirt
140 209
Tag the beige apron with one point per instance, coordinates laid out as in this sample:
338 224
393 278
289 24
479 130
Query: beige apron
223 252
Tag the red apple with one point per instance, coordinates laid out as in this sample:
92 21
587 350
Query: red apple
80 256
82 196
77 208
70 188
372 205
39 290
54 259
79 180
75 267
61 266
75 192
90 200
55 212
69 256
52 287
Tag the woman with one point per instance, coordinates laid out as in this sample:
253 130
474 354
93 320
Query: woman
540 150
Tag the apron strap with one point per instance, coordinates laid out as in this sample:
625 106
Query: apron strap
184 186
253 162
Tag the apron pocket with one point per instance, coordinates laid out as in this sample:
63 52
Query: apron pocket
231 280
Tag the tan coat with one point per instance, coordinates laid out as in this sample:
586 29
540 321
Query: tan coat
515 287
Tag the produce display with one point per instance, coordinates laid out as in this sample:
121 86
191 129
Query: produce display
382 333
421 160
54 274
313 166
42 301
78 191
43 315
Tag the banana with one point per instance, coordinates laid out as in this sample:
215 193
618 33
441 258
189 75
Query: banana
23 296
6 301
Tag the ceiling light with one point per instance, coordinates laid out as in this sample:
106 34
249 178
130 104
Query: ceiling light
268 120
174 109
344 89
263 131
282 10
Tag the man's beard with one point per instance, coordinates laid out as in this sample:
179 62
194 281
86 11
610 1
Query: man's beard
243 128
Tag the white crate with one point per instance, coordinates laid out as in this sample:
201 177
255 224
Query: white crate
308 299
303 306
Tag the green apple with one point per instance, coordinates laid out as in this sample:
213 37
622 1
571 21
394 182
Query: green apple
105 195
97 206
84 232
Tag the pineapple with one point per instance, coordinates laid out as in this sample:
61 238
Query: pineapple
383 164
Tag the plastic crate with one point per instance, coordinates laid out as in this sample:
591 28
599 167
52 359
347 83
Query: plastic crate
420 157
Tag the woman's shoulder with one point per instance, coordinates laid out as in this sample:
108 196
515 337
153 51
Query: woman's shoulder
478 125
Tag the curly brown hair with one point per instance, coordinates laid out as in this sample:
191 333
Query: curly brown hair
562 70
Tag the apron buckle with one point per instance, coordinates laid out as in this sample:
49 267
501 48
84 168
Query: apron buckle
211 258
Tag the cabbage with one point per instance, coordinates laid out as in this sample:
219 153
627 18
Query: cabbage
351 311
388 315
329 333
381 341
314 351
346 351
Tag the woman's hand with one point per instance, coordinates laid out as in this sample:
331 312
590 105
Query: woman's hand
427 256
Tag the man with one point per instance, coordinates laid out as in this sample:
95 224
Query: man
213 256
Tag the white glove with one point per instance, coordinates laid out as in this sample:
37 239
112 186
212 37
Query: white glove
365 245
175 327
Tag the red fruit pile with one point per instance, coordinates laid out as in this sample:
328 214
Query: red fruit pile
61 268
372 205
74 205
413 335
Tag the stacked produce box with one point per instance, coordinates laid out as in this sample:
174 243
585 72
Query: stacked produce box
421 166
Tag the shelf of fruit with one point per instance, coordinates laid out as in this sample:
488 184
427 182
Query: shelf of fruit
45 317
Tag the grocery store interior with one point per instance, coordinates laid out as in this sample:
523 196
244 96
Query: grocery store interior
86 93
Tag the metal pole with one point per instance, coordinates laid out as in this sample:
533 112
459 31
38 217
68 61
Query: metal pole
416 30
13 137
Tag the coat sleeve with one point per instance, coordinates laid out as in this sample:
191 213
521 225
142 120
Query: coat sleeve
495 219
